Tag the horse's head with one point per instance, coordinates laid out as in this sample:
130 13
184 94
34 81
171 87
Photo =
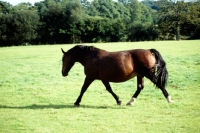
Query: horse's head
68 61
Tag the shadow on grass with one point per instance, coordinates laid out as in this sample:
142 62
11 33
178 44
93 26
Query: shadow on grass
53 106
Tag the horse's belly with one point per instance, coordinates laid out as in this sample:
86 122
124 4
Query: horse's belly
122 78
118 69
117 75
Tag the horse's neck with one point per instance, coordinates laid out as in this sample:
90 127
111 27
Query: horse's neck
83 59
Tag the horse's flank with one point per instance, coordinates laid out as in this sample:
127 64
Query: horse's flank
115 66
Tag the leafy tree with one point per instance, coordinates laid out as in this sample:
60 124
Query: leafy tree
74 11
85 4
138 12
118 31
146 14
125 1
96 29
18 24
75 21
142 32
170 15
5 7
102 8
135 10
123 11
19 27
190 26
51 17
26 25
24 6
108 9
151 3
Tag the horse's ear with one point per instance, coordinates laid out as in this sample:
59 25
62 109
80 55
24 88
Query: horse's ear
63 51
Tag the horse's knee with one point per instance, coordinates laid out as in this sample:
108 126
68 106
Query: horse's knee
140 86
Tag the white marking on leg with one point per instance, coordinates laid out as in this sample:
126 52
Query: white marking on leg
169 99
133 99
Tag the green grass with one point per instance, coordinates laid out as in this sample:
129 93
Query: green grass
34 97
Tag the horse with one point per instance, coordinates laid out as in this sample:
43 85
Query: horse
117 67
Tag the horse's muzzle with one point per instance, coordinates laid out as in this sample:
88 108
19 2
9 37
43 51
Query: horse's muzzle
64 74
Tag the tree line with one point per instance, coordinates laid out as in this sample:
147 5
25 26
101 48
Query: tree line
79 21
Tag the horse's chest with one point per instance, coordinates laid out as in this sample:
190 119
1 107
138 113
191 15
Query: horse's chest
91 68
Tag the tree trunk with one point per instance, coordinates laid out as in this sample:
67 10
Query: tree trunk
177 31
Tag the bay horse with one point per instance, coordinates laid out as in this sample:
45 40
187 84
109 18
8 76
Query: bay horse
117 67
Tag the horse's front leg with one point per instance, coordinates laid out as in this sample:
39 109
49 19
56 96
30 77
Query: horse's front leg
109 89
86 84
140 86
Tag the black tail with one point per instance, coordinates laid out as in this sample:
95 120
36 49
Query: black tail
160 76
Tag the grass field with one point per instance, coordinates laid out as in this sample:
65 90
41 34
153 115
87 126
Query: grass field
34 97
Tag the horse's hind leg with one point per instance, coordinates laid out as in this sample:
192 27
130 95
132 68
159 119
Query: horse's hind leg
140 86
167 96
109 89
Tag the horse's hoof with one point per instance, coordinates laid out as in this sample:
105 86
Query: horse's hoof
128 104
131 101
169 99
76 104
119 102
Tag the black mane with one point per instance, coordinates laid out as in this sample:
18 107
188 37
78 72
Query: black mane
82 49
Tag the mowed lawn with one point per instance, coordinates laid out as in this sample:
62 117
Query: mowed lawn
35 98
